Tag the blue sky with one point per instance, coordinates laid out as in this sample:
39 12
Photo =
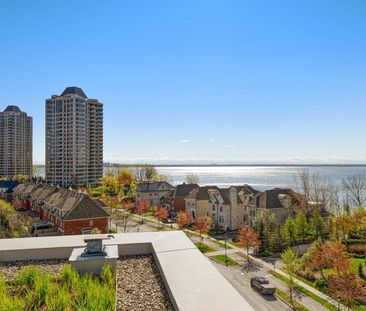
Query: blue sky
197 81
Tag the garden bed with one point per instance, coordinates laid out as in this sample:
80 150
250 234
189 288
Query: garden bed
52 285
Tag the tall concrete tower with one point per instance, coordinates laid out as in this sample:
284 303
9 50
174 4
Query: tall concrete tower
15 143
74 138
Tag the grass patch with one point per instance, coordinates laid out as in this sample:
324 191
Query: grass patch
303 290
204 248
35 290
237 244
283 296
221 244
355 263
221 259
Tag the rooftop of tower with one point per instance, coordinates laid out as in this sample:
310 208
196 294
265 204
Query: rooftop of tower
74 90
12 108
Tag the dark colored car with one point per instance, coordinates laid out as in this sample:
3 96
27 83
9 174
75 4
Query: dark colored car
262 285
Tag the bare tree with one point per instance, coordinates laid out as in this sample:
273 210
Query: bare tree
354 187
192 178
123 217
314 189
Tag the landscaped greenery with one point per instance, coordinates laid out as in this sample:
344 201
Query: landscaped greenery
286 298
222 259
35 290
12 225
325 303
204 248
221 243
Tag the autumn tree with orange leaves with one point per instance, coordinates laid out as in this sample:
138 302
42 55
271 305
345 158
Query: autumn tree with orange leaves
349 288
184 219
202 225
161 214
142 207
248 238
331 255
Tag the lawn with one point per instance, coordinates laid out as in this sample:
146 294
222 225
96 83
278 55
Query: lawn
204 248
35 290
355 263
221 244
221 259
286 298
325 303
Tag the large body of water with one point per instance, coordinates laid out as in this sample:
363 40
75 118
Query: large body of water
260 177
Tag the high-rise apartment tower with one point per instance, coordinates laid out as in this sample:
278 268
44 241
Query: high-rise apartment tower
15 143
74 139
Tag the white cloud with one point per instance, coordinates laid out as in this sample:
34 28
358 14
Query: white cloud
230 146
184 141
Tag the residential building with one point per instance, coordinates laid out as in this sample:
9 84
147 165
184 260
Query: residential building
74 139
16 145
227 207
180 193
71 212
246 193
282 202
156 193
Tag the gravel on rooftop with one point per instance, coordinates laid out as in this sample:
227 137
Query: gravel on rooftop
140 286
10 269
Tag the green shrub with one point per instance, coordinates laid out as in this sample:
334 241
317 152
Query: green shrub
321 284
354 241
265 254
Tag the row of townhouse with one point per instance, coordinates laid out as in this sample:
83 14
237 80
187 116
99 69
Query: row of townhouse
229 208
70 212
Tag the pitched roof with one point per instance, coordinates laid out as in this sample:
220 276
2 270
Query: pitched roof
86 208
8 185
184 189
272 196
201 193
74 205
74 90
246 189
225 194
153 186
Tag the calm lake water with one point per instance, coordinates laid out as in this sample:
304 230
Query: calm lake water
260 177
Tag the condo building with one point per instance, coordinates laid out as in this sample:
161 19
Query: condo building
74 138
15 143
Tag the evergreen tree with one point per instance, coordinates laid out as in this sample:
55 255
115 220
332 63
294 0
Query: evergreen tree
290 230
302 227
317 224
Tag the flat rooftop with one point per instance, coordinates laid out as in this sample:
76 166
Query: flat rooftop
192 282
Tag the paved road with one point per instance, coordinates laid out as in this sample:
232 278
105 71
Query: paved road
241 282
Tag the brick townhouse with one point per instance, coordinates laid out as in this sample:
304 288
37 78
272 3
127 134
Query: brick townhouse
71 212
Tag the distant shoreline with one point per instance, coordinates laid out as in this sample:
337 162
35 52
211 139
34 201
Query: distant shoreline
227 165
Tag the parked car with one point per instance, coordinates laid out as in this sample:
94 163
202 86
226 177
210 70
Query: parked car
262 285
42 228
167 221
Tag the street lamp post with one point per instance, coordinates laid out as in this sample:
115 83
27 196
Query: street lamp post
225 249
